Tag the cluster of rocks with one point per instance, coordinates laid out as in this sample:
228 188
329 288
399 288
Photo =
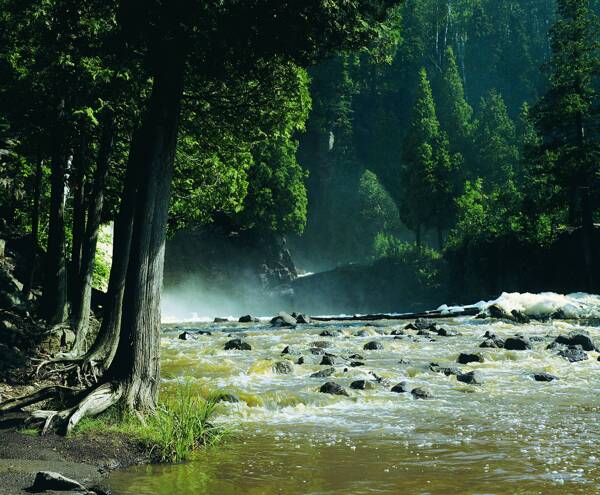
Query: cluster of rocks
334 388
49 481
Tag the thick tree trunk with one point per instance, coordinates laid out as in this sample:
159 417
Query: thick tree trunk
55 287
83 287
136 363
78 221
35 226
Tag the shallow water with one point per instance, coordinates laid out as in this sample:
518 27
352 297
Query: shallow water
511 435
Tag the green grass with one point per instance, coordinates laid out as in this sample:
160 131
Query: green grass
175 432
31 432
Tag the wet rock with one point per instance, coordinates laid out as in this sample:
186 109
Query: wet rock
492 343
48 480
186 336
237 345
329 333
283 368
321 344
447 332
248 319
373 346
316 351
220 320
520 317
445 370
284 319
361 385
517 344
498 312
574 354
356 364
303 320
333 389
465 358
544 377
424 333
576 337
398 332
421 393
292 351
356 356
399 388
323 373
330 360
227 397
470 378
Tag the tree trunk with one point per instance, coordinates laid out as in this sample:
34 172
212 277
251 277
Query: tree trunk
79 221
35 227
54 302
136 363
83 287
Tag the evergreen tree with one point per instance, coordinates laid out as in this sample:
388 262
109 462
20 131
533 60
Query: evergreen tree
565 116
426 173
495 141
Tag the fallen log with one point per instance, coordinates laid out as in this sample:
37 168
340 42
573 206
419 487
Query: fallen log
466 311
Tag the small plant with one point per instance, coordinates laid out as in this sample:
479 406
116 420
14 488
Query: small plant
175 432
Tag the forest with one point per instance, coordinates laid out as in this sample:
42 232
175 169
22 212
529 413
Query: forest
443 150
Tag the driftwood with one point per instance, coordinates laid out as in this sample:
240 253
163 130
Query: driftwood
466 311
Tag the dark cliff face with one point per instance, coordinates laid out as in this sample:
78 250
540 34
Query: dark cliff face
211 271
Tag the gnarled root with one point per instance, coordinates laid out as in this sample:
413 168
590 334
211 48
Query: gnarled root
85 370
52 392
92 404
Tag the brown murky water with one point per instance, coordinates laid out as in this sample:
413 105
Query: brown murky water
511 435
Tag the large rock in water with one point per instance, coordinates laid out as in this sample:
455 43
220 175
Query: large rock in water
517 344
284 319
576 337
333 389
465 358
237 345
48 480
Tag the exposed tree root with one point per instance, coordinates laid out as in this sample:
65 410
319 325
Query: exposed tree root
52 392
90 403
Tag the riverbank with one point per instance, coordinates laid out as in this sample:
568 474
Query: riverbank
86 458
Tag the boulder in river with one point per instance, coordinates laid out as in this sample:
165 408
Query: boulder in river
421 393
361 385
356 356
446 370
466 358
470 378
373 346
447 332
327 372
330 360
316 350
519 343
544 377
323 344
356 364
220 320
237 345
292 351
399 388
329 333
303 320
248 319
574 354
333 389
227 397
283 368
492 343
187 336
48 480
284 319
576 337
398 332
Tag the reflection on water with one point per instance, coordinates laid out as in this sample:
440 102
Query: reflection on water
511 435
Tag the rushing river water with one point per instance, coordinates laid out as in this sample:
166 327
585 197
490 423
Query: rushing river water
510 435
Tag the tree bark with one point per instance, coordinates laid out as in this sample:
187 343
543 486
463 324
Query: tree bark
54 302
79 220
83 287
35 227
136 363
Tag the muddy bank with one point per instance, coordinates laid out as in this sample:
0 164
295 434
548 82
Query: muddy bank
86 458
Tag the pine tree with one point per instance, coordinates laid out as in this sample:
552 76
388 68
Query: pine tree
565 115
495 141
454 111
427 167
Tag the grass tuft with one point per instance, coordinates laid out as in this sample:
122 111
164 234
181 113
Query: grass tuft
175 432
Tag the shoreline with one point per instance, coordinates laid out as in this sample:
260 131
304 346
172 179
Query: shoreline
87 458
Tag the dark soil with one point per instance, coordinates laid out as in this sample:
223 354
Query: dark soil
87 458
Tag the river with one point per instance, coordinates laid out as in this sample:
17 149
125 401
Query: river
509 435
